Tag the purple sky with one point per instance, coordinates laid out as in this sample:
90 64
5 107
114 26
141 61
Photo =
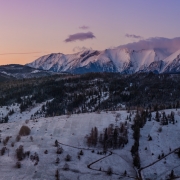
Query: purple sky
32 28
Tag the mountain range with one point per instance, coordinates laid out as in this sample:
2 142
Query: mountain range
17 71
121 59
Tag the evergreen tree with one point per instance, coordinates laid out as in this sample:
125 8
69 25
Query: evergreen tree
157 116
57 175
115 138
172 175
105 138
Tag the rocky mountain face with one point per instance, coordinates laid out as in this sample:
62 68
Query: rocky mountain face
122 60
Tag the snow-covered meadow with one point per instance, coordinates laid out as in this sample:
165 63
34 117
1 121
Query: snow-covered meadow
71 131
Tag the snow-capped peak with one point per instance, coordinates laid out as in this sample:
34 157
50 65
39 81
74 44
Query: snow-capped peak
120 59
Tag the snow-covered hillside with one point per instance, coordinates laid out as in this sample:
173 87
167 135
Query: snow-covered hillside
18 115
68 131
172 63
119 59
165 138
71 132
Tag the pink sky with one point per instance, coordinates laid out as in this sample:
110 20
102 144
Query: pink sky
30 29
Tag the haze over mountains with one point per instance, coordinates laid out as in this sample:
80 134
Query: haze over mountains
162 56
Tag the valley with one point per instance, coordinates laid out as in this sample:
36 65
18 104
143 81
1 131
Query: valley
89 90
97 125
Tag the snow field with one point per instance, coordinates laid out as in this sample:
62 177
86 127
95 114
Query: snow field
68 130
161 142
72 130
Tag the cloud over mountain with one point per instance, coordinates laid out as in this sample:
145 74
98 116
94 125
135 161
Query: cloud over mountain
171 45
80 36
157 55
79 49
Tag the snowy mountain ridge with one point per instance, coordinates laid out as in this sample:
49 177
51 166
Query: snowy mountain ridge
122 60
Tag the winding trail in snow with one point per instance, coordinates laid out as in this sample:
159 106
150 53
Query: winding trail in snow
139 171
89 165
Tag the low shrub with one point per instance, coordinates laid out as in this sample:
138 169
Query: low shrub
66 167
68 158
24 131
18 164
18 138
109 171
